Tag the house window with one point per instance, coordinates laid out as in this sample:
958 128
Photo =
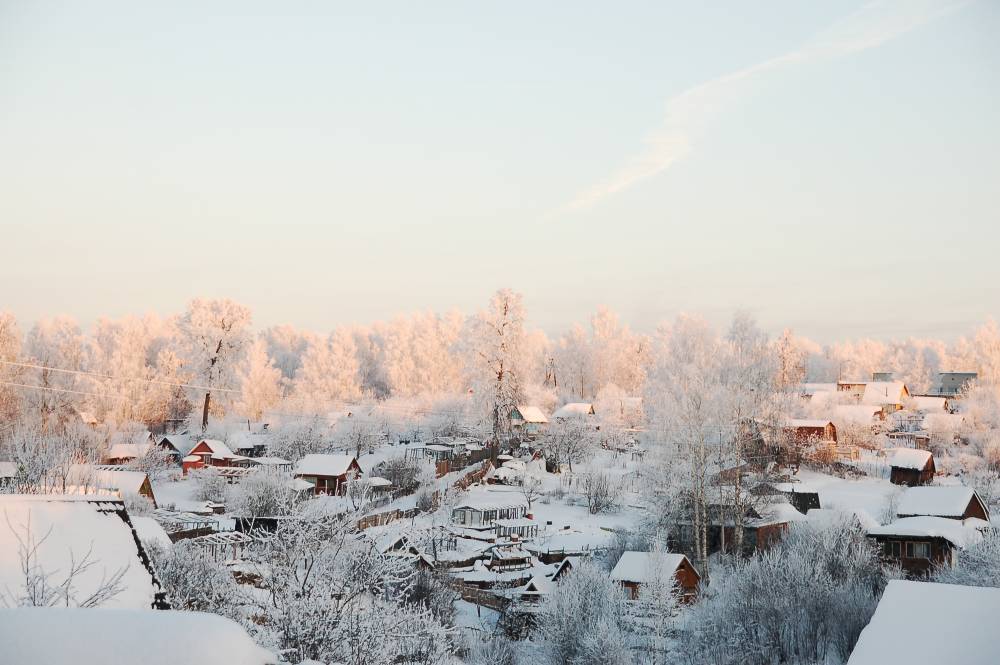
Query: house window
918 550
891 548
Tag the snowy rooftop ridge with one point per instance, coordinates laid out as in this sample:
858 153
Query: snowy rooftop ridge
911 458
954 531
640 567
532 414
953 616
324 465
937 500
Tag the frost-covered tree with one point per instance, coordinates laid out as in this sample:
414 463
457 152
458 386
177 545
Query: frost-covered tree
57 346
10 352
975 565
214 334
328 378
259 381
496 337
584 621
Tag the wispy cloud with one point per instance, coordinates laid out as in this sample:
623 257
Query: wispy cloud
689 113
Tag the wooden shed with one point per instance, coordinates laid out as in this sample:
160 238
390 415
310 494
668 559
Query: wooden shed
634 569
329 474
909 466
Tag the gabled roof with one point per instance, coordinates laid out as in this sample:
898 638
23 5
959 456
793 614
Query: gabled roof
923 623
574 410
884 392
218 448
911 458
930 403
639 567
324 465
936 500
828 516
75 526
532 414
88 476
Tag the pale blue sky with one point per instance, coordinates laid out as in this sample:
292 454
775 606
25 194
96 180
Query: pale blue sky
830 166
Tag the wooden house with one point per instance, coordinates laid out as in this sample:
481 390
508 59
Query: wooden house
328 473
804 431
955 502
919 544
634 569
527 420
211 452
483 513
910 466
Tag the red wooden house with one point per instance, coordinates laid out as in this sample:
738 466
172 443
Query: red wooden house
211 452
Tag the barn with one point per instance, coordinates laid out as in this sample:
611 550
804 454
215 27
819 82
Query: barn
910 466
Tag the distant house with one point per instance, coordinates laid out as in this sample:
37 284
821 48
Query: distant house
854 388
634 569
932 404
249 444
574 410
329 474
124 453
211 452
909 466
918 544
66 528
951 384
890 395
802 432
920 623
483 513
528 419
955 502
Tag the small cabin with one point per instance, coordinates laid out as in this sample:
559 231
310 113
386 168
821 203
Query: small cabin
912 467
483 515
574 410
528 419
634 569
329 474
920 544
802 431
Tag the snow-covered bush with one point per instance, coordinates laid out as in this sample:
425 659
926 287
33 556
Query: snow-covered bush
263 495
209 485
977 565
804 601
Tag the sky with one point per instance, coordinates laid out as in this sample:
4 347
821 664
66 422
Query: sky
833 167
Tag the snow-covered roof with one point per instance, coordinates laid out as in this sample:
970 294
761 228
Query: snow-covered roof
150 531
73 636
182 442
813 388
270 461
910 458
376 481
942 501
130 436
324 465
75 526
532 414
495 501
828 516
806 422
953 531
640 567
884 392
85 475
921 623
574 409
777 513
219 449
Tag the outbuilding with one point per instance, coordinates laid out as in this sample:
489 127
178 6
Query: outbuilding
634 569
910 466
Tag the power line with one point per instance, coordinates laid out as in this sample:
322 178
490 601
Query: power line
120 378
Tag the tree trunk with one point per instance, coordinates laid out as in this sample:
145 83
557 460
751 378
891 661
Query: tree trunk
204 412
